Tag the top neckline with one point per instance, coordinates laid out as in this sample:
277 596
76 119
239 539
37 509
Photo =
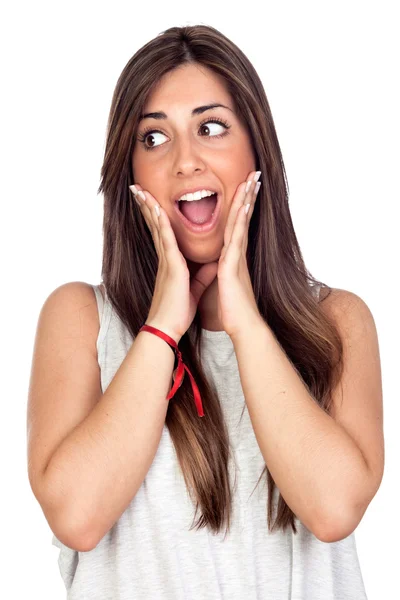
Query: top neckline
214 335
206 333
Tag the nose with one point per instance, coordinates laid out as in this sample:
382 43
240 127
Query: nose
188 159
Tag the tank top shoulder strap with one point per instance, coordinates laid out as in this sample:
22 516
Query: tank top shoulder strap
105 312
316 289
100 300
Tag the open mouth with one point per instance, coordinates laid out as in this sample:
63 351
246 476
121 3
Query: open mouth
199 215
199 211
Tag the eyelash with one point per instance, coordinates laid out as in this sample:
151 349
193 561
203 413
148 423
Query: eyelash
149 130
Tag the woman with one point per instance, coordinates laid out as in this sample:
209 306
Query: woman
265 371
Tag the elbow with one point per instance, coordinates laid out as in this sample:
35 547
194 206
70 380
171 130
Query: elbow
344 519
340 521
333 534
69 526
71 534
66 525
336 527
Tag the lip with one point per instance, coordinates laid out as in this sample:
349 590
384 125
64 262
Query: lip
205 227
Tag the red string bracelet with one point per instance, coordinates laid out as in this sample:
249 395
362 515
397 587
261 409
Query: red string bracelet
180 370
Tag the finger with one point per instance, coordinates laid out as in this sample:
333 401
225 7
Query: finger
239 232
237 202
147 207
253 200
252 185
245 237
248 203
243 195
166 239
148 204
234 248
151 204
167 236
249 215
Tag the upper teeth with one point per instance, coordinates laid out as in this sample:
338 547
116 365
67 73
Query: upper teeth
196 196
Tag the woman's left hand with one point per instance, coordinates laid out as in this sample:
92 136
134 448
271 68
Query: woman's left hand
237 307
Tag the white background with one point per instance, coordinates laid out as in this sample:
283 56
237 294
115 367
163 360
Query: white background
330 71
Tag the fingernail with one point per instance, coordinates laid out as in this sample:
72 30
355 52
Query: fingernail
157 209
141 194
257 176
133 189
248 184
258 185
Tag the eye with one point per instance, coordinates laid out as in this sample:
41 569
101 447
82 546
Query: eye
151 132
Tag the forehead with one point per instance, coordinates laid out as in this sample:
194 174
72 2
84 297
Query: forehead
187 87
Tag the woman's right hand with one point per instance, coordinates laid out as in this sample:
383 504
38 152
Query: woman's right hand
175 296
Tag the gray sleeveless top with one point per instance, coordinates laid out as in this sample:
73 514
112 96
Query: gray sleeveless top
150 553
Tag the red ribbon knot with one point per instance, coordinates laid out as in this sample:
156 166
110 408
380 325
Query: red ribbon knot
180 370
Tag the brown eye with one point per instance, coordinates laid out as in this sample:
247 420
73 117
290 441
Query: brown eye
150 133
205 126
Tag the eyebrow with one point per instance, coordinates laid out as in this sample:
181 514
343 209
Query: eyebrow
196 111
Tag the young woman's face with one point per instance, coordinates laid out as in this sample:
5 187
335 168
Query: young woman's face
189 152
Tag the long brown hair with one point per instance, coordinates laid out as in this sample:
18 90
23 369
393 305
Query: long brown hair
283 287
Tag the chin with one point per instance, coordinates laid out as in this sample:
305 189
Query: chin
202 253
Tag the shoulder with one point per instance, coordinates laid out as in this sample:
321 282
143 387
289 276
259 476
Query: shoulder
355 324
73 306
344 305
74 296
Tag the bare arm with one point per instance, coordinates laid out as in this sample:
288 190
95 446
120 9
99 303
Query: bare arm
327 467
97 468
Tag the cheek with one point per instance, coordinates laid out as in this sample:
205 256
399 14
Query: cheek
227 201
150 179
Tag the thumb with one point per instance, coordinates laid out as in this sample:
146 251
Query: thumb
202 279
